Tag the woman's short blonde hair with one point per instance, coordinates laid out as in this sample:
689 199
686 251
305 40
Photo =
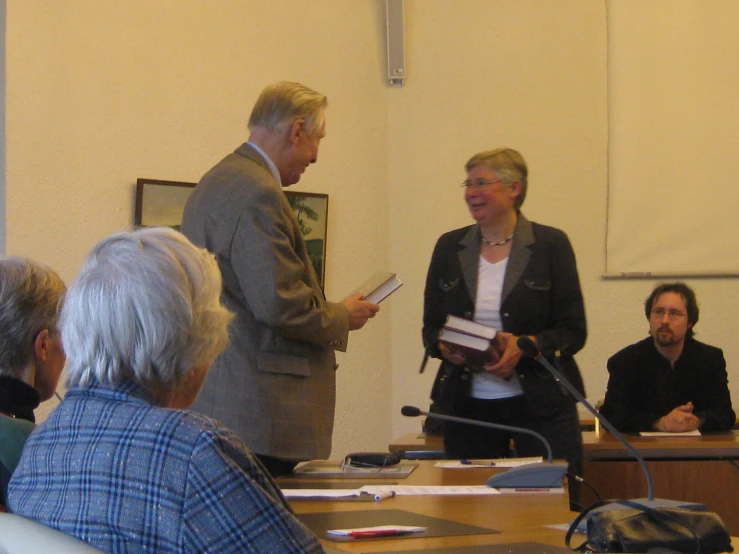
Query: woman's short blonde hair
508 165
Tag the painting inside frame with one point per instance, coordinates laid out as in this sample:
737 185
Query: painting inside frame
163 203
311 210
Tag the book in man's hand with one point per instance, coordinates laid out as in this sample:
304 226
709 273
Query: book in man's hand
379 287
478 343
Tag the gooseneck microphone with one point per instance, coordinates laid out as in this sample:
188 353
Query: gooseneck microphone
529 348
412 411
538 475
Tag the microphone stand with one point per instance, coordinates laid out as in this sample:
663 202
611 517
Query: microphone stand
529 348
537 475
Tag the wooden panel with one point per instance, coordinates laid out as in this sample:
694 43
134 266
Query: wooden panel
605 445
711 482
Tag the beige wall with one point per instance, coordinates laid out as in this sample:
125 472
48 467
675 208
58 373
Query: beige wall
101 92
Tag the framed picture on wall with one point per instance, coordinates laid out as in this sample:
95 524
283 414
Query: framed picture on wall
163 203
311 209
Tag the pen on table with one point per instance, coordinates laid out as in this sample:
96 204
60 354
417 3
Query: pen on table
378 533
383 495
476 463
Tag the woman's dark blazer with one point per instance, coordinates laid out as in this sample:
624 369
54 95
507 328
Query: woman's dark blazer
541 297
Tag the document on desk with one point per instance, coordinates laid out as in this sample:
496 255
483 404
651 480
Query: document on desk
320 493
360 494
533 490
333 469
429 490
498 462
695 433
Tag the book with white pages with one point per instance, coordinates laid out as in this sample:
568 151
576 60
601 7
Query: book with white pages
462 339
478 343
469 327
378 287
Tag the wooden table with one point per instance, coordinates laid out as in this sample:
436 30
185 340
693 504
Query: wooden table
698 469
418 442
519 517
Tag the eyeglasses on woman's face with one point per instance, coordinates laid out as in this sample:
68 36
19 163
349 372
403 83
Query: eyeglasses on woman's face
478 183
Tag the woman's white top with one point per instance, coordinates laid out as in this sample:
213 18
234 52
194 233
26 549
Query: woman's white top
487 311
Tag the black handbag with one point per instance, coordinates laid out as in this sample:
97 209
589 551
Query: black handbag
640 528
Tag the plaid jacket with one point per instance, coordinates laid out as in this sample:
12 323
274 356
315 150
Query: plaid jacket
112 469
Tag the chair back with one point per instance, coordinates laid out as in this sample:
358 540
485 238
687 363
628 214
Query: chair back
20 535
13 435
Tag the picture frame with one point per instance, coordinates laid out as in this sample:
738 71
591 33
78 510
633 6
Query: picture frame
162 203
311 211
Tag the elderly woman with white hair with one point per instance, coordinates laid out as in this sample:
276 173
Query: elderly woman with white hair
119 463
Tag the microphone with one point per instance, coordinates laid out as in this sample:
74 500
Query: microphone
529 348
538 475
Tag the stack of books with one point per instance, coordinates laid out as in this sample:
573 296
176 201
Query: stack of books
478 343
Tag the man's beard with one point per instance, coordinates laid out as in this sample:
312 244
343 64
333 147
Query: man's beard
664 337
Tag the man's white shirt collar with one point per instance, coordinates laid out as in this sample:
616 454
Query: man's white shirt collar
270 163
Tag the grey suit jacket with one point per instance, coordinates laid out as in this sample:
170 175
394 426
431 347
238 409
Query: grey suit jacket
275 383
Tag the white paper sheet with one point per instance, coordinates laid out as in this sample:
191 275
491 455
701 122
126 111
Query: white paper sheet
695 433
499 462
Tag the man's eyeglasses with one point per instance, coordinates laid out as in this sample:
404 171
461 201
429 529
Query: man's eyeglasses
674 315
480 183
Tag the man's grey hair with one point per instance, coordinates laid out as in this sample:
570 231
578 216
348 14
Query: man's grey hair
146 308
508 164
280 104
31 295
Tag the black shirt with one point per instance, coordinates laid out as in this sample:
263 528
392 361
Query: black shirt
18 399
643 387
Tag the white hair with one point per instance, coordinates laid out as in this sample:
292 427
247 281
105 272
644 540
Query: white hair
281 103
145 308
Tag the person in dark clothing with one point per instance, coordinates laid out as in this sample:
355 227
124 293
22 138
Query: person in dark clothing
669 381
31 354
519 277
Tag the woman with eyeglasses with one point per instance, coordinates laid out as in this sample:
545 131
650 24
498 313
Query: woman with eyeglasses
520 278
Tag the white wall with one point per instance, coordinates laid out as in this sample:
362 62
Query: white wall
101 92
2 127
484 75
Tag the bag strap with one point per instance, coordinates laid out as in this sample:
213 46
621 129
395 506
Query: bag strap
576 522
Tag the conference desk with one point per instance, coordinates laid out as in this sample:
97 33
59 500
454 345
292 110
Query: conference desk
699 469
418 442
520 517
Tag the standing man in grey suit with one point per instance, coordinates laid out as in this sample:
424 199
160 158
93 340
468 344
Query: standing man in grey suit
275 383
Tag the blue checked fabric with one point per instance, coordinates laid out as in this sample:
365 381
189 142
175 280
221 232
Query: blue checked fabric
112 469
